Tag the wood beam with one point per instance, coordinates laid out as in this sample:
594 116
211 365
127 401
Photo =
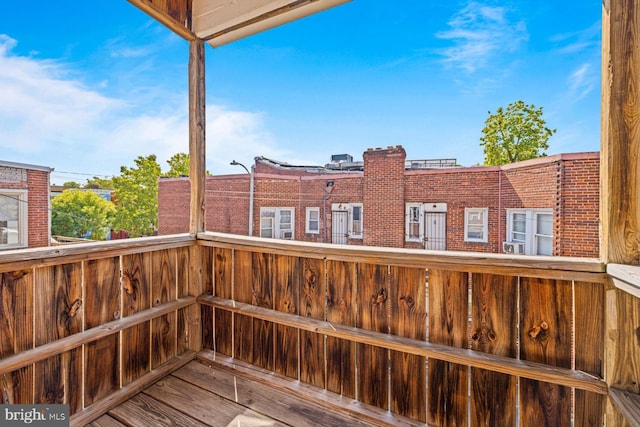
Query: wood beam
197 124
173 14
620 133
505 365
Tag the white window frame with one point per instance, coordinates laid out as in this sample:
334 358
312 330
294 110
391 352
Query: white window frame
275 216
353 232
21 196
309 221
531 232
537 235
468 214
410 210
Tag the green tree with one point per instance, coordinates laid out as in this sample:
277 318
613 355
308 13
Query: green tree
136 197
76 213
71 184
178 165
516 133
99 183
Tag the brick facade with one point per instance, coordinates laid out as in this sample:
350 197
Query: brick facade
34 181
565 185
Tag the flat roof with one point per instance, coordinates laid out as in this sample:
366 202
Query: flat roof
16 165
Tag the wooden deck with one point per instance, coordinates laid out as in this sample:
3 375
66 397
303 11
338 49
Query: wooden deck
209 393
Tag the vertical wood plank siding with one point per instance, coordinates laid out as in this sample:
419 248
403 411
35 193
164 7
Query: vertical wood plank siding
408 318
505 315
69 297
312 305
493 330
341 310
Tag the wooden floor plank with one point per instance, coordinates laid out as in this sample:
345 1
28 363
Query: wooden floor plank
216 395
143 411
203 405
274 403
106 421
332 402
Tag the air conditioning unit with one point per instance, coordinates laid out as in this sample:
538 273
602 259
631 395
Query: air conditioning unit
512 248
287 235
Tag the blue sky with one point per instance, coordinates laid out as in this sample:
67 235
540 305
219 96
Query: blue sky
86 87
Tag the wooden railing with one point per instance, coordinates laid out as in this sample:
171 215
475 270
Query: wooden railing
437 337
89 325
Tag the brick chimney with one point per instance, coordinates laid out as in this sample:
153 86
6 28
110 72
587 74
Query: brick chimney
383 204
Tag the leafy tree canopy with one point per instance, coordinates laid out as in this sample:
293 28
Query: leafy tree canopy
99 183
71 184
178 165
136 197
514 134
76 213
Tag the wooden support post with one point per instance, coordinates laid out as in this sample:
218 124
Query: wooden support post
197 173
620 127
197 145
620 194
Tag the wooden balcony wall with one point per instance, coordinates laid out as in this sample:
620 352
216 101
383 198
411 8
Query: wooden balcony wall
89 325
436 337
481 337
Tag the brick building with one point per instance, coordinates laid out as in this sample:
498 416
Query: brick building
545 206
24 206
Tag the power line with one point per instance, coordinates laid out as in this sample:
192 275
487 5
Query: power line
82 173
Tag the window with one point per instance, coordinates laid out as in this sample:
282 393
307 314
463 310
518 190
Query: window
266 226
544 234
519 227
426 223
532 228
13 219
414 222
313 221
276 223
476 224
355 222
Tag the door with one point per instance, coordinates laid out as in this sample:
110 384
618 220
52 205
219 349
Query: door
339 227
435 231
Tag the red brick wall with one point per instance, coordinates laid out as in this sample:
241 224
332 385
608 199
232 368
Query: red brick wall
384 187
38 212
36 185
344 191
578 225
459 189
568 184
174 195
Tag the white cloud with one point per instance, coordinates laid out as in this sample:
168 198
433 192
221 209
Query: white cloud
576 42
581 82
49 118
479 33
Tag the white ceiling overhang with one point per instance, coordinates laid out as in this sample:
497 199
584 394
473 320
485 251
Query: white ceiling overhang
223 21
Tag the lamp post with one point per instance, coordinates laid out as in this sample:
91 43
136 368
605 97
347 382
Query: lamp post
234 163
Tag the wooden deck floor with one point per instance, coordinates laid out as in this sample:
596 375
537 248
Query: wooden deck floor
204 394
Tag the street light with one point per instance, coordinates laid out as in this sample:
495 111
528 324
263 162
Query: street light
234 163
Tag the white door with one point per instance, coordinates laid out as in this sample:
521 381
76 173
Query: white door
435 231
